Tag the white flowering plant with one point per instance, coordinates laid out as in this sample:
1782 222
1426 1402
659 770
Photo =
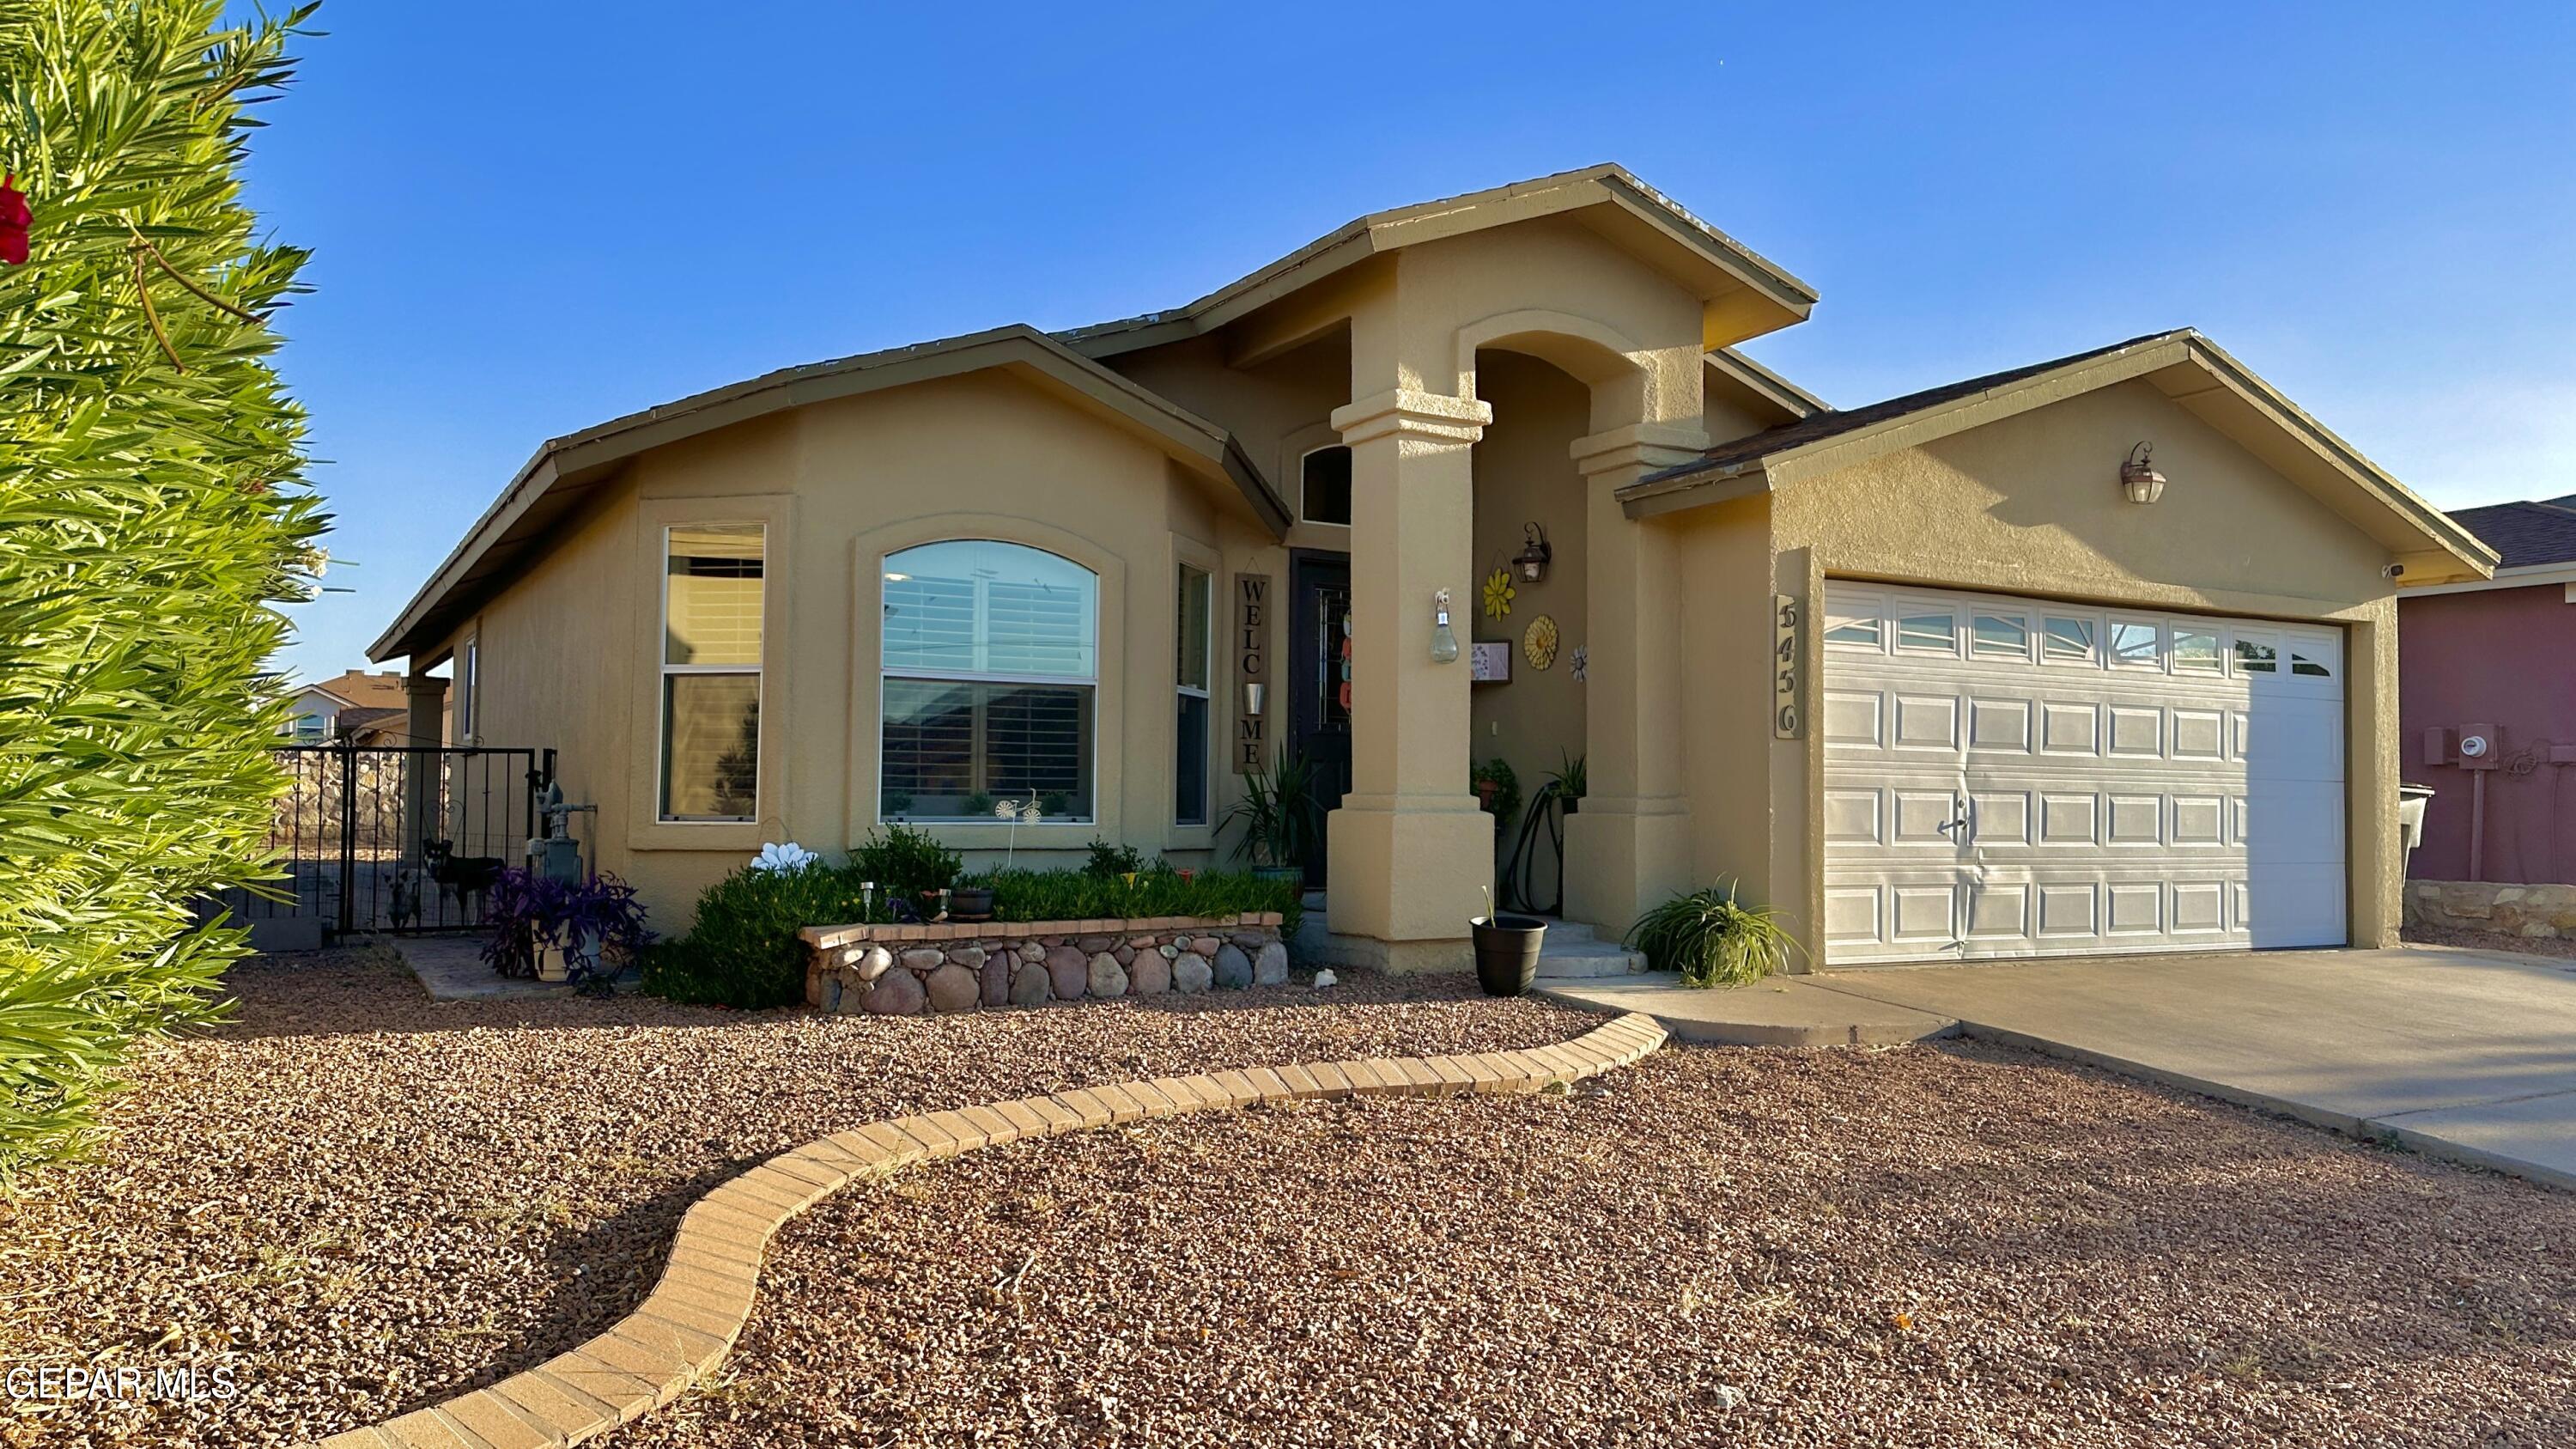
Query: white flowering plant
780 856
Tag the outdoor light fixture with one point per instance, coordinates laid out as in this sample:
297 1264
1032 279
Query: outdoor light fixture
1533 557
1444 640
2138 476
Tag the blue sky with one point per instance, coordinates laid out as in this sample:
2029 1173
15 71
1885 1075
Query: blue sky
531 218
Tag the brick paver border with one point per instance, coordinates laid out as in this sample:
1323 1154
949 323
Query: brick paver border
687 1325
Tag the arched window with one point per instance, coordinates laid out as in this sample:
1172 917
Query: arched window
992 659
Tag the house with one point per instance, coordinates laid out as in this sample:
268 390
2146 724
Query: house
2488 706
351 705
1941 678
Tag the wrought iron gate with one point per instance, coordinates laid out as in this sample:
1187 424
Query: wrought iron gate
392 839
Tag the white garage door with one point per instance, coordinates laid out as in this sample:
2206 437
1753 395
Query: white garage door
2014 777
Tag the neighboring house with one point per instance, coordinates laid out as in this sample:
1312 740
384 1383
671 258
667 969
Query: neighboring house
1920 674
330 709
2488 703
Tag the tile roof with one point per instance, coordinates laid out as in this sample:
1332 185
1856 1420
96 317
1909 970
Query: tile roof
2539 531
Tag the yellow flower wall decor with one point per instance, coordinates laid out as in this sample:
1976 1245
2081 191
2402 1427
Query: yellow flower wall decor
1538 646
1499 594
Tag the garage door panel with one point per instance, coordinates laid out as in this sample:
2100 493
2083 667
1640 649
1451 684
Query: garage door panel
2130 781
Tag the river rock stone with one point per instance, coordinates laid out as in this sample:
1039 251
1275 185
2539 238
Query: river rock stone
924 958
831 993
1093 945
1032 951
967 954
994 976
1191 974
1151 975
1030 985
897 993
1204 945
1233 968
1107 977
952 988
1126 955
1070 971
1270 968
875 963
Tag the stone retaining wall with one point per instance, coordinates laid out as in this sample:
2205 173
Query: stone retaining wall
2537 911
958 966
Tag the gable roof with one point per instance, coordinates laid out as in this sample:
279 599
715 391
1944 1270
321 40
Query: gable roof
1743 293
1762 382
2525 534
356 688
2189 368
565 469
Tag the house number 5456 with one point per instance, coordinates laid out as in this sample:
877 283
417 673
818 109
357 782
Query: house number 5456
1787 617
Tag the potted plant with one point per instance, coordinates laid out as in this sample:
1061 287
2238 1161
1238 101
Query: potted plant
1712 940
1498 791
1507 950
1569 781
1280 819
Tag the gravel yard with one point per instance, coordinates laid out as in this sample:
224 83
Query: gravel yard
358 1201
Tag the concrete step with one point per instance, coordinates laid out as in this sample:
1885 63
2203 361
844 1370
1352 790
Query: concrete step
1585 958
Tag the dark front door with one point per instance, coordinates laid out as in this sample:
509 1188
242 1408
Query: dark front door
1319 686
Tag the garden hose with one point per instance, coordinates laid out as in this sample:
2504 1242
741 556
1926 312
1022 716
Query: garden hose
1518 866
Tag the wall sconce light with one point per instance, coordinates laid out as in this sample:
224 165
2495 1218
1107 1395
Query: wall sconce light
1444 640
1533 557
2138 476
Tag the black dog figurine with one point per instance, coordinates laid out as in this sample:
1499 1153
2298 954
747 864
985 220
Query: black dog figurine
461 876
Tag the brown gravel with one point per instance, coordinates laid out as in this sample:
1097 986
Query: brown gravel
358 1200
2559 946
1957 1246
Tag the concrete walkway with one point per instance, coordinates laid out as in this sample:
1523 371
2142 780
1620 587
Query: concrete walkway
2466 1055
1788 1011
451 968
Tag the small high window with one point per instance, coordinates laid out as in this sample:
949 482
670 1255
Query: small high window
1324 489
1928 631
1192 672
2255 656
2136 645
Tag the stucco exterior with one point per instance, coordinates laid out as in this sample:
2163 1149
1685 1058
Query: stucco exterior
1553 353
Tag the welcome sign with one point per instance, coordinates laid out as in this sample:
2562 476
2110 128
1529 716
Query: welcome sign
1252 673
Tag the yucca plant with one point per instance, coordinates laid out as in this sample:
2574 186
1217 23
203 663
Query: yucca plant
1711 939
152 512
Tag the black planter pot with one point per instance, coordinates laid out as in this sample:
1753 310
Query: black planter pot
970 903
1291 874
1507 952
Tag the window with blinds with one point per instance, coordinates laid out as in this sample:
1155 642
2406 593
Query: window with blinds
990 670
712 578
1192 671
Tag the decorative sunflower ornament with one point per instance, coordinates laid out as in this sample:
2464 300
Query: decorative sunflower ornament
1538 646
1499 594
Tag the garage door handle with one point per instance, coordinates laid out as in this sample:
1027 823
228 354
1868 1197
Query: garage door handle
1958 818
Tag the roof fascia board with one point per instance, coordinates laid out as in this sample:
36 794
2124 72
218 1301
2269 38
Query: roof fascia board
2524 577
1763 382
1654 500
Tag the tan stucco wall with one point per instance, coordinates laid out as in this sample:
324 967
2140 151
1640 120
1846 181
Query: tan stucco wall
567 652
2030 504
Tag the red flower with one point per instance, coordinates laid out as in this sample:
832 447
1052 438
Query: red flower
15 218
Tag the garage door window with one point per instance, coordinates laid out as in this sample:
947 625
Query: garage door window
2067 641
1938 633
2000 636
2317 668
2256 655
2196 651
2136 645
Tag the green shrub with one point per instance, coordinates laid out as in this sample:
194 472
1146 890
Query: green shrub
1079 895
152 509
1112 861
743 949
1711 940
903 862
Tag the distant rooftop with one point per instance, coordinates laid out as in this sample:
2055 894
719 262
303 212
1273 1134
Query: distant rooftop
2540 531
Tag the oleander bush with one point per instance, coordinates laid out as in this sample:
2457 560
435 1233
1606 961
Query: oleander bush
152 513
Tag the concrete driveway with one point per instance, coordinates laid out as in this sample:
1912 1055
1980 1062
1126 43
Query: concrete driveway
2462 1054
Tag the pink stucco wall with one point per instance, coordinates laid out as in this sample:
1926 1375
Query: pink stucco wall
2502 657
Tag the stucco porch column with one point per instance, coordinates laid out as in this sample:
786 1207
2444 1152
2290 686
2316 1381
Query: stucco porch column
1409 849
1630 845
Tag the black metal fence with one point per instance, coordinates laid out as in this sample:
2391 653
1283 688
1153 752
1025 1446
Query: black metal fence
392 839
